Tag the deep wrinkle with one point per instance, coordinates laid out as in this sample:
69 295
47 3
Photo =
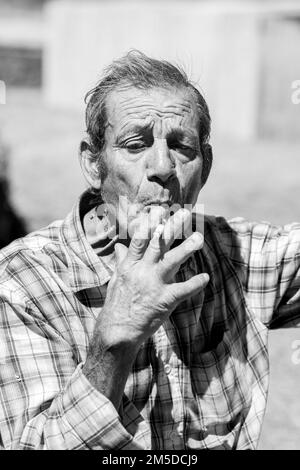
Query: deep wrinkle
142 116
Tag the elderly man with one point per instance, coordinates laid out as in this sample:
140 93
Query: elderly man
121 330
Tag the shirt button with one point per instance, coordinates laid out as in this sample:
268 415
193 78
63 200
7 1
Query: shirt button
180 429
173 436
168 368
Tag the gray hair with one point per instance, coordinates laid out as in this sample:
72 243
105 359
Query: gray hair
138 70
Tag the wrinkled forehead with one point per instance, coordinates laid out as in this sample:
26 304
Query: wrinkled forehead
177 105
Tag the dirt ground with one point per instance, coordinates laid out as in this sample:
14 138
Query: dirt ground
258 180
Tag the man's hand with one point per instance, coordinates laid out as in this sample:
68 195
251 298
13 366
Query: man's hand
141 296
142 292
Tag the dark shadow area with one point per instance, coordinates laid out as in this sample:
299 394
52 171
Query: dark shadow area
11 225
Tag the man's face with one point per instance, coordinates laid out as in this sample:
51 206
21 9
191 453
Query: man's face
152 152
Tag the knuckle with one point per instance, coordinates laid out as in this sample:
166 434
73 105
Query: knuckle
185 212
183 215
137 242
181 212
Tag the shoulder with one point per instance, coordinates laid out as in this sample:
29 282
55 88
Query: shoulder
28 260
242 239
241 227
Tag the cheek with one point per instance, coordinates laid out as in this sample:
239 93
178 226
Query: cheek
122 178
190 178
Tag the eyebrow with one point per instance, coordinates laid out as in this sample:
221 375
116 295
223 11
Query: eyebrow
133 129
174 133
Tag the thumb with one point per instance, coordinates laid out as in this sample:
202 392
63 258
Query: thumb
121 252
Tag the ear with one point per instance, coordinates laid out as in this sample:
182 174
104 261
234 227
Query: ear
207 162
89 165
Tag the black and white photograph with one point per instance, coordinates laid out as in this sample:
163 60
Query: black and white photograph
149 227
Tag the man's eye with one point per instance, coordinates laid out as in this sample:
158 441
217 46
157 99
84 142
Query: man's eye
178 146
183 149
135 147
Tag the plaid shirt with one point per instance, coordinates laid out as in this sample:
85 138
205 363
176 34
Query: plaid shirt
199 382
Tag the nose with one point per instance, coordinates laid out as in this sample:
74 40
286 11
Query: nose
160 165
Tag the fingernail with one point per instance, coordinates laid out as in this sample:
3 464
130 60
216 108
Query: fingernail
158 231
196 239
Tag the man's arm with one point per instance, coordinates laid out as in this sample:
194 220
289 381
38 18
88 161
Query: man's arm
47 401
107 369
141 296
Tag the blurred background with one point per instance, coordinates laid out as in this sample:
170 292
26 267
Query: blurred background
245 58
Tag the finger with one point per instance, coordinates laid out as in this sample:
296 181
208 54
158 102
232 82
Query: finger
177 227
121 252
141 237
174 258
184 290
154 251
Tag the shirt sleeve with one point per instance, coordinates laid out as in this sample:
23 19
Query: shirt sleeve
269 258
46 401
